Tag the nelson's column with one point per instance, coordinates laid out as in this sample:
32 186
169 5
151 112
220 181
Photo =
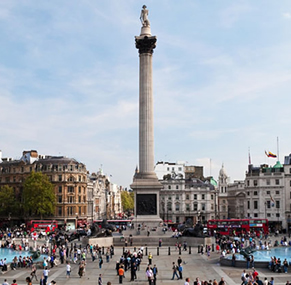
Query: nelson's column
145 184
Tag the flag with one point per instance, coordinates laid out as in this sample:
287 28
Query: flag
270 154
273 202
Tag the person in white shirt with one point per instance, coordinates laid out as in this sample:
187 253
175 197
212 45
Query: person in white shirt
68 270
187 281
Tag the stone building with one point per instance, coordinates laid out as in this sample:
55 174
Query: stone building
185 198
223 209
68 176
104 197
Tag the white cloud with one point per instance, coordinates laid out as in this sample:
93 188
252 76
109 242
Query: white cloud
287 15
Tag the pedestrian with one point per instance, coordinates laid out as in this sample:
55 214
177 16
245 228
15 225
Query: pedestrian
28 281
185 245
175 269
68 269
160 242
120 274
187 281
155 272
180 269
272 281
179 261
81 269
33 272
285 265
100 279
233 260
197 281
221 282
14 282
45 275
5 282
150 275
133 269
41 280
100 262
150 258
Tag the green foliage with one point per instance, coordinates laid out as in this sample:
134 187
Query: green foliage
8 202
127 200
38 195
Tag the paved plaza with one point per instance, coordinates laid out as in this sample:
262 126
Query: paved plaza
194 265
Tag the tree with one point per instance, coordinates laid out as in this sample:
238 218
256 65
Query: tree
127 200
38 195
8 204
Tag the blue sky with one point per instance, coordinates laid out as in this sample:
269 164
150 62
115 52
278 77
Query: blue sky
221 75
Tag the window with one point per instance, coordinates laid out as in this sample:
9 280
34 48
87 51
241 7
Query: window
248 204
60 211
80 178
195 196
203 207
290 181
255 215
248 193
212 196
177 187
277 192
203 197
177 197
268 215
170 198
60 199
71 189
187 207
268 181
168 168
169 187
268 192
177 220
277 182
169 207
277 204
187 196
60 177
79 199
71 199
268 204
255 193
277 215
212 207
80 190
248 182
60 189
177 207
180 168
255 204
195 207
255 183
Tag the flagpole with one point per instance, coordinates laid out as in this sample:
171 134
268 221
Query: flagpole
278 148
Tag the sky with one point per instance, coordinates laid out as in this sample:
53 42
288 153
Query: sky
69 82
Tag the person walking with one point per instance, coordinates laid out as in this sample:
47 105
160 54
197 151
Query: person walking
175 269
100 262
45 275
68 268
120 274
100 279
155 272
33 273
150 275
180 270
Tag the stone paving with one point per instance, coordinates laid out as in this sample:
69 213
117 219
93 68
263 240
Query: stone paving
195 265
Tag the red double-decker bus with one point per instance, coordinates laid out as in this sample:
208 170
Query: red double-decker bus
42 225
234 227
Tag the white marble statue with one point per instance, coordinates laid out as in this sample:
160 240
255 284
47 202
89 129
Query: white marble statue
144 16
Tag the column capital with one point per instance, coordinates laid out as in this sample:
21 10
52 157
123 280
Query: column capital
145 44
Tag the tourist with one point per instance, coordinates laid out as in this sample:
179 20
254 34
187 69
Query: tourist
272 281
33 273
197 281
221 282
68 267
28 281
187 281
14 282
285 265
100 279
5 282
155 272
266 282
100 262
45 275
175 269
180 270
150 275
120 274
150 258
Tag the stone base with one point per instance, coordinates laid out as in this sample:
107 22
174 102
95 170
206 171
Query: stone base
147 221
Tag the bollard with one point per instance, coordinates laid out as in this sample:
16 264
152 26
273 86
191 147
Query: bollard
169 251
146 251
134 249
179 250
102 250
123 250
158 251
212 247
189 249
112 250
198 248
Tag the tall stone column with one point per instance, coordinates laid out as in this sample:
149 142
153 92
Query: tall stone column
145 184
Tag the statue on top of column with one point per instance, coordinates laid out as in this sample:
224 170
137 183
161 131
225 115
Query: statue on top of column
144 16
